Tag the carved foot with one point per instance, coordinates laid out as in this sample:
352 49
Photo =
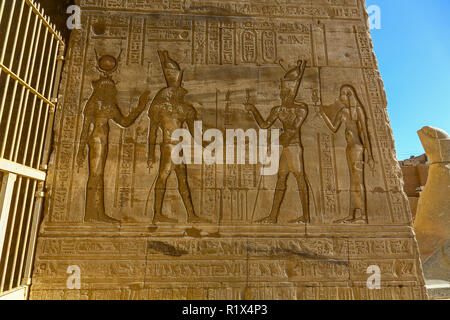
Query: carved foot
91 220
303 219
163 219
196 219
344 221
108 219
359 220
351 219
102 219
268 220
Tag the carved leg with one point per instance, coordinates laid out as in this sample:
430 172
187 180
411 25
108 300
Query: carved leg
91 211
95 201
185 192
160 190
277 199
358 195
357 210
357 205
303 189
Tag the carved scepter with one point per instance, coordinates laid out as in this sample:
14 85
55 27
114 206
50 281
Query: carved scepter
248 97
301 64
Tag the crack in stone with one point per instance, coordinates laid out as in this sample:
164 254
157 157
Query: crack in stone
306 254
165 248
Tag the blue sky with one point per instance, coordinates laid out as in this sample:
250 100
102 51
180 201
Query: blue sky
413 51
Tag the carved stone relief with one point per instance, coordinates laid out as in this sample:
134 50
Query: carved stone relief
140 225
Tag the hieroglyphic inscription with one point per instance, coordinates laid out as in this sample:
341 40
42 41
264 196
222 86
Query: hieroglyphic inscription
365 48
211 54
163 28
68 127
249 46
136 41
386 145
329 183
319 248
234 293
125 171
199 40
295 9
228 41
110 27
213 35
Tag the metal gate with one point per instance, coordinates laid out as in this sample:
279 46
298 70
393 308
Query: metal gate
31 59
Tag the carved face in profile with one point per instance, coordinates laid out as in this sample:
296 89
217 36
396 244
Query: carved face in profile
286 93
177 94
348 96
436 143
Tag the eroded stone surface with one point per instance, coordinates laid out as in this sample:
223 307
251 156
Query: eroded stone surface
140 227
432 224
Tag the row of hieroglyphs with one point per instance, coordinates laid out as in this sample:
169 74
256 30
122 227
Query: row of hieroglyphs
345 9
234 293
154 271
229 41
377 99
306 248
225 41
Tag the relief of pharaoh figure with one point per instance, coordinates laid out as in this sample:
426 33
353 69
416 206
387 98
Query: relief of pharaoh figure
101 107
349 113
292 114
168 112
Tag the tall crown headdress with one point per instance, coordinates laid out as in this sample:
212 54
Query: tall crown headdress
172 71
293 77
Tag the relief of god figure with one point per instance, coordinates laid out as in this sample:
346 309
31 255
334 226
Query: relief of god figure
351 116
292 115
101 107
168 112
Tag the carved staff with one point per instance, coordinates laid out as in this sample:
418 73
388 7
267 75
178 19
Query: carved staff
150 192
248 97
257 195
247 93
302 67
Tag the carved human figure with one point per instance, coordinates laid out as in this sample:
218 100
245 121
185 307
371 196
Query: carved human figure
101 107
292 115
168 112
351 115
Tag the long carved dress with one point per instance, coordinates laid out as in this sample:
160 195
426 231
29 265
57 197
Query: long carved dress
352 117
101 107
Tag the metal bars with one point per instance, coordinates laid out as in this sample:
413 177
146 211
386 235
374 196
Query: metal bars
30 68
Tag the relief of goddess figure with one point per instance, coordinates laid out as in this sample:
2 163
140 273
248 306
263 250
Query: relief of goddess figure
101 107
351 116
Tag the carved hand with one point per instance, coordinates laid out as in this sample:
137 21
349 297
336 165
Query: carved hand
144 99
321 112
249 107
81 156
151 162
371 163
